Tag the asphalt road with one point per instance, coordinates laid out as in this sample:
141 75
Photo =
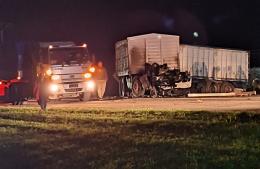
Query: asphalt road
189 104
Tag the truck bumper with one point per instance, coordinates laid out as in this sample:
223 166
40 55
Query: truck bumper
66 95
66 91
184 85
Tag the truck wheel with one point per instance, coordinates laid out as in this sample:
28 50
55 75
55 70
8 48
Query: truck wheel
226 87
17 102
20 102
14 103
86 96
137 89
153 93
122 87
13 95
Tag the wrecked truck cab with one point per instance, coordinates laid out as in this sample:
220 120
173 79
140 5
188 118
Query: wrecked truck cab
148 65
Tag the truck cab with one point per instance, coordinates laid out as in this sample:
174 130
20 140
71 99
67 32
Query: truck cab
67 64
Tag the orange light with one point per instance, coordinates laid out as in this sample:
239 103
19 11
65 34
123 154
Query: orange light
84 45
0 83
49 72
55 77
18 78
92 69
87 75
50 46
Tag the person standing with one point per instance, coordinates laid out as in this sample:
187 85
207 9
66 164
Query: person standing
101 78
41 87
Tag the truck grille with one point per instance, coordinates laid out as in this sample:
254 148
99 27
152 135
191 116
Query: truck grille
73 90
72 77
73 85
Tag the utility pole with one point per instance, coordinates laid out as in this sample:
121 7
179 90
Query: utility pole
3 27
1 34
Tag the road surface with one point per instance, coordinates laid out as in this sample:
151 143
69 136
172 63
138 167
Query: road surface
189 104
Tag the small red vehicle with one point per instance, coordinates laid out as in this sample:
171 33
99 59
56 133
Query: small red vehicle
14 91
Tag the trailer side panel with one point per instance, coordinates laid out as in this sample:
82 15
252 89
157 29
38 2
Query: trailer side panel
133 53
214 63
122 61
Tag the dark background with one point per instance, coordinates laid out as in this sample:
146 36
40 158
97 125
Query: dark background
220 23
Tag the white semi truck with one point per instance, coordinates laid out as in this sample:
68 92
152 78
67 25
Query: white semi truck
149 65
67 62
182 68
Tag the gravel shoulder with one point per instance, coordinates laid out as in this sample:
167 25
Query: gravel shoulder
164 104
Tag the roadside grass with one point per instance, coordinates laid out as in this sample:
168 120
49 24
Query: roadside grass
81 139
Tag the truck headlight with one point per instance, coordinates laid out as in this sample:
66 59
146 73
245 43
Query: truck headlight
54 88
55 77
87 75
91 85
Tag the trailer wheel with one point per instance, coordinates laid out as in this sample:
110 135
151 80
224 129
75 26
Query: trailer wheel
257 91
201 88
227 87
137 89
213 88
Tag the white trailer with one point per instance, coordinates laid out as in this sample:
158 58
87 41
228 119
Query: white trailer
134 52
215 70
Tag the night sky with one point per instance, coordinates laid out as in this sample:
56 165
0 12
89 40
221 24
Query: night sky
221 23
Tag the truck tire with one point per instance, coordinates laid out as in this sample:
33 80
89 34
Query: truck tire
17 102
137 89
227 87
86 96
14 102
14 94
153 92
122 88
20 102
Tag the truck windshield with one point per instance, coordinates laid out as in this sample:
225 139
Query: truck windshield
67 56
